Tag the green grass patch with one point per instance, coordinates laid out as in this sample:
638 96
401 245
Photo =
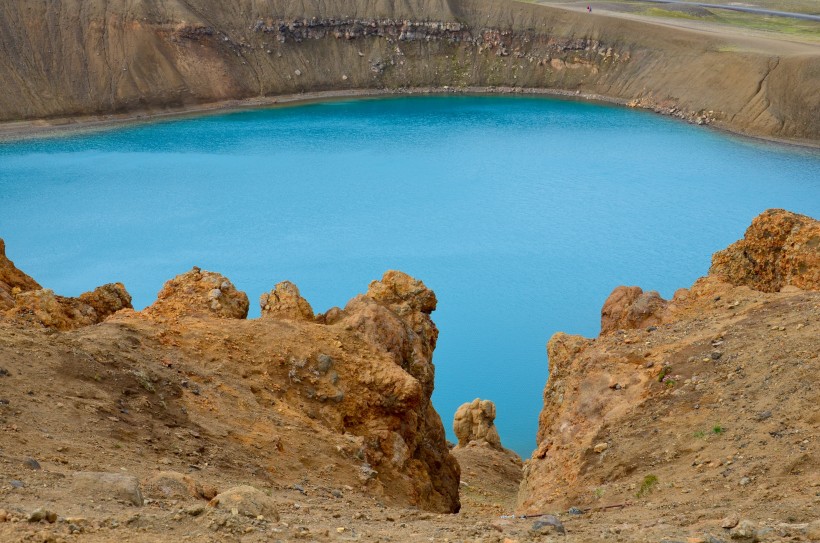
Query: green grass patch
647 485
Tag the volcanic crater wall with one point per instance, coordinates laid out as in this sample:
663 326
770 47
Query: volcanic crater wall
90 57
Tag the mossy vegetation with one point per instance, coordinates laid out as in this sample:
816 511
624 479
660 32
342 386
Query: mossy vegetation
648 484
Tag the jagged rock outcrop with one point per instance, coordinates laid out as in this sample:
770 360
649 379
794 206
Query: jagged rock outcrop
24 301
407 437
199 293
708 364
475 421
488 470
43 307
631 307
779 249
362 375
285 302
12 280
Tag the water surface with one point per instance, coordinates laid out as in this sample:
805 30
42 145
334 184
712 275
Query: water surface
521 213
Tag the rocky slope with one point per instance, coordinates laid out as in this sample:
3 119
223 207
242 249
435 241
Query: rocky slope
81 58
691 419
490 474
697 409
190 382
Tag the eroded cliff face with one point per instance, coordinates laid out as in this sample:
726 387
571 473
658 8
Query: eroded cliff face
341 399
698 392
89 57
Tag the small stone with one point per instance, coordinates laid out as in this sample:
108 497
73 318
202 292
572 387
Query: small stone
763 415
195 510
297 72
340 529
744 481
17 484
42 514
547 524
729 522
31 463
600 447
575 511
336 493
744 531
716 355
4 372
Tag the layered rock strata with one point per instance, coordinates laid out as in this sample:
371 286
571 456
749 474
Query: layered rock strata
148 58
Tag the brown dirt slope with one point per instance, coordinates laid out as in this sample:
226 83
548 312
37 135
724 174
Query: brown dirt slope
333 406
701 426
708 413
80 58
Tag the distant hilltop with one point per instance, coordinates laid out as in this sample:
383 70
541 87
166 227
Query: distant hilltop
90 60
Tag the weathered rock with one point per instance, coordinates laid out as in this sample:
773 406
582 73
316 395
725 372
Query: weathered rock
547 524
474 421
745 531
43 514
246 501
12 280
779 249
199 293
729 522
633 385
285 302
116 486
43 307
631 307
172 485
407 447
813 531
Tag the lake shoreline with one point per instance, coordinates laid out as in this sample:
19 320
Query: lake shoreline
69 126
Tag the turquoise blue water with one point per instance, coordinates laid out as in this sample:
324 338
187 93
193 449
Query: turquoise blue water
521 213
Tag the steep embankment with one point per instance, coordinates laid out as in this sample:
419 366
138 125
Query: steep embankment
92 57
341 398
696 412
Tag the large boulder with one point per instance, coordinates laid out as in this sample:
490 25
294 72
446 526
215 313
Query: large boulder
631 307
285 302
172 485
474 421
780 248
247 501
98 486
199 293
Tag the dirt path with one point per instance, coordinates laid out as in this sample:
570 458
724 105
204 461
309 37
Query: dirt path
745 38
